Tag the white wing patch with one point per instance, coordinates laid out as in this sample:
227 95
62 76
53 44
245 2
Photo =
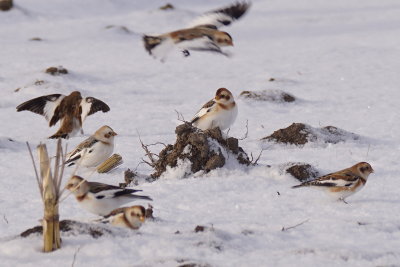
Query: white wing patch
214 19
86 106
50 107
163 49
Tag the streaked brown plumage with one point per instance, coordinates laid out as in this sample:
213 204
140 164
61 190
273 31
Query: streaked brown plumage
70 110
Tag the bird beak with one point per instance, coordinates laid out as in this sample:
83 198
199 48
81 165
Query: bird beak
141 218
372 170
114 134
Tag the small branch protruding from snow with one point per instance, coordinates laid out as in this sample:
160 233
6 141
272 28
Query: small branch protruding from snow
294 226
247 131
75 254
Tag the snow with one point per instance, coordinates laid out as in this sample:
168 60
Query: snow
341 58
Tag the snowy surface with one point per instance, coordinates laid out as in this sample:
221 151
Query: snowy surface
341 58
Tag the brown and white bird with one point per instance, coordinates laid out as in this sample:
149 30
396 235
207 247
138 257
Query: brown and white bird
342 183
219 112
99 198
70 110
94 150
130 217
202 35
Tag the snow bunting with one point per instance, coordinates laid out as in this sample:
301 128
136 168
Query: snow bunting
219 112
343 183
202 35
130 217
94 150
71 110
99 198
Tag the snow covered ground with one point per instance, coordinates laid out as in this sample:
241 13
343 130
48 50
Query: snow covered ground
341 58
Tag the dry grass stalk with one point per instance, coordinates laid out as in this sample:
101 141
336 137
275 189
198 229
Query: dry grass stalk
49 187
110 164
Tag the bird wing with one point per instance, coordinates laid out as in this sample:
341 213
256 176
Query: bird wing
221 17
204 109
201 44
91 105
115 212
343 178
43 105
109 191
81 149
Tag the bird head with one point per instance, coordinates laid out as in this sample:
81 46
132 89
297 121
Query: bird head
223 39
363 169
224 96
77 185
135 215
105 134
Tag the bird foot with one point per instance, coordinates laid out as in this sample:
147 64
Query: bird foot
186 53
344 201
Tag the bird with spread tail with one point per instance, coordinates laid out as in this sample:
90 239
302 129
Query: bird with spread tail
344 183
70 110
130 217
94 150
218 112
99 198
202 35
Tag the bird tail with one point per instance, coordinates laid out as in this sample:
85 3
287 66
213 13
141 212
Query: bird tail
150 42
59 134
141 197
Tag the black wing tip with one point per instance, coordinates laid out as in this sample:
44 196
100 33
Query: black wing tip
150 42
56 136
235 10
297 186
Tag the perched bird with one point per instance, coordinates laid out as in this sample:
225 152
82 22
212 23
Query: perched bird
99 198
202 35
131 217
343 183
219 112
94 150
70 110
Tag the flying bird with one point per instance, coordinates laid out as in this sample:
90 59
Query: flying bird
219 112
344 183
130 217
94 150
70 110
99 198
202 35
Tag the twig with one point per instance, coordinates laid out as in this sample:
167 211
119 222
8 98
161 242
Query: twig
180 116
247 131
294 226
148 153
75 254
257 159
5 218
38 179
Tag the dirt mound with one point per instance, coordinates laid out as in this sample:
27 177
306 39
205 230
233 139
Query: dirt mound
301 171
300 134
268 95
205 150
6 5
72 227
56 70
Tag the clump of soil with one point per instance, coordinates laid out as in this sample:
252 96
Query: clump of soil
301 171
268 95
72 227
300 134
56 70
168 6
206 150
36 39
6 5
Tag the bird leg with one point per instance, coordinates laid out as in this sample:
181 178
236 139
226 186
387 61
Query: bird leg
342 199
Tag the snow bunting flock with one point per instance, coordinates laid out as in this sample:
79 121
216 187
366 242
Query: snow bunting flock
221 111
